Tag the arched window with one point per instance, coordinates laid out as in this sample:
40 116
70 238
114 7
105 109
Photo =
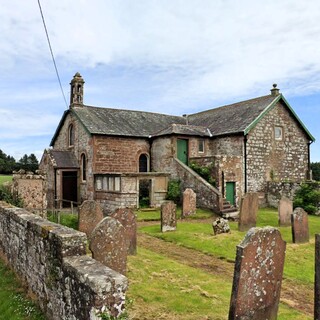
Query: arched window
143 163
83 167
71 135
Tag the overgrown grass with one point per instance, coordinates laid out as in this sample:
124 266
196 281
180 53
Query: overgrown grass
66 219
13 302
5 178
299 263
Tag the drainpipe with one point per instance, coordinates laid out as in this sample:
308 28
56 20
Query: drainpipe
309 162
245 139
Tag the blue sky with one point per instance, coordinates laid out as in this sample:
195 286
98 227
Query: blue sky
169 56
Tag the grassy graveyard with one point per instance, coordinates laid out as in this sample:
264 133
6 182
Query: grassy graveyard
5 178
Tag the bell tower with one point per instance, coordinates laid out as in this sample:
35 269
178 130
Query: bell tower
76 93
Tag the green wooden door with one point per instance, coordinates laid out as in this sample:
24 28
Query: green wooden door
182 150
230 192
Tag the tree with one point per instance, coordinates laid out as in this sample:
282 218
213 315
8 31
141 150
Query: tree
315 167
28 163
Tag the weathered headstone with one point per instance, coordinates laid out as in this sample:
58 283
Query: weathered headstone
220 225
168 216
300 226
317 279
127 218
108 244
248 211
258 275
90 214
189 203
285 210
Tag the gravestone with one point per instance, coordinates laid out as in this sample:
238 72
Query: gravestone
285 209
300 226
220 225
317 279
248 211
189 203
90 214
168 216
127 218
108 244
258 275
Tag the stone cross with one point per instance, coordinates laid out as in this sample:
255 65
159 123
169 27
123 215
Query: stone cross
258 275
108 244
248 211
189 203
90 214
317 279
300 227
128 219
168 216
285 210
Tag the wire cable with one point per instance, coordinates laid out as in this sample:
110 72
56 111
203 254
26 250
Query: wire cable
53 59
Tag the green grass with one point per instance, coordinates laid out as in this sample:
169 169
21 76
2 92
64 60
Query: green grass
299 263
13 302
5 178
66 219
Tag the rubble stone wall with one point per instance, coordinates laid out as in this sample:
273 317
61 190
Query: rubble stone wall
52 261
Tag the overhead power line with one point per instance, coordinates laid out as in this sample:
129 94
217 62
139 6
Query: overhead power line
53 59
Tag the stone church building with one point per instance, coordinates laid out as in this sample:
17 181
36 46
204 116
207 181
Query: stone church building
114 155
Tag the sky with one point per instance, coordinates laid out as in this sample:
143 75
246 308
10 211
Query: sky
167 56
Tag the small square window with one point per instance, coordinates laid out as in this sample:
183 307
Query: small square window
201 146
278 133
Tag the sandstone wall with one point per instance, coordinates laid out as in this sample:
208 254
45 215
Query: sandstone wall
31 188
52 261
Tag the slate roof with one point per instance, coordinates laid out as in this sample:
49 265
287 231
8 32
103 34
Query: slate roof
63 159
232 118
236 118
119 122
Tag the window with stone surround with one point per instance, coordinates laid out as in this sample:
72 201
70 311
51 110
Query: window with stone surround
143 163
201 146
71 135
107 183
278 133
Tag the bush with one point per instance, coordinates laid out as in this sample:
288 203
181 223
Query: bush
7 196
174 192
204 172
308 197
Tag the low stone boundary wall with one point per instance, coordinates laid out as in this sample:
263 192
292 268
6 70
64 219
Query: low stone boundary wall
52 261
276 190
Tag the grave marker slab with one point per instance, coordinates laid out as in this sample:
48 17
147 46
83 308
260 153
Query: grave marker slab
220 225
168 216
189 203
90 214
258 275
285 209
300 226
128 219
317 279
248 211
108 244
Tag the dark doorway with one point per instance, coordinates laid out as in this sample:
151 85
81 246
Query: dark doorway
69 188
144 193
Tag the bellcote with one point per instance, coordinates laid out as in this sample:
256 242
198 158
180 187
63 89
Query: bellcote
76 92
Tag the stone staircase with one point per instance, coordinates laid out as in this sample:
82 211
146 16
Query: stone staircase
228 210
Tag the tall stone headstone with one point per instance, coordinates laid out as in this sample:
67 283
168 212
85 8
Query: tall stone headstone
317 279
168 216
90 214
108 244
300 226
189 203
248 211
128 219
258 275
285 210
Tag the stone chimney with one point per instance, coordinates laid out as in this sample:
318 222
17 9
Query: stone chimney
275 90
76 93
